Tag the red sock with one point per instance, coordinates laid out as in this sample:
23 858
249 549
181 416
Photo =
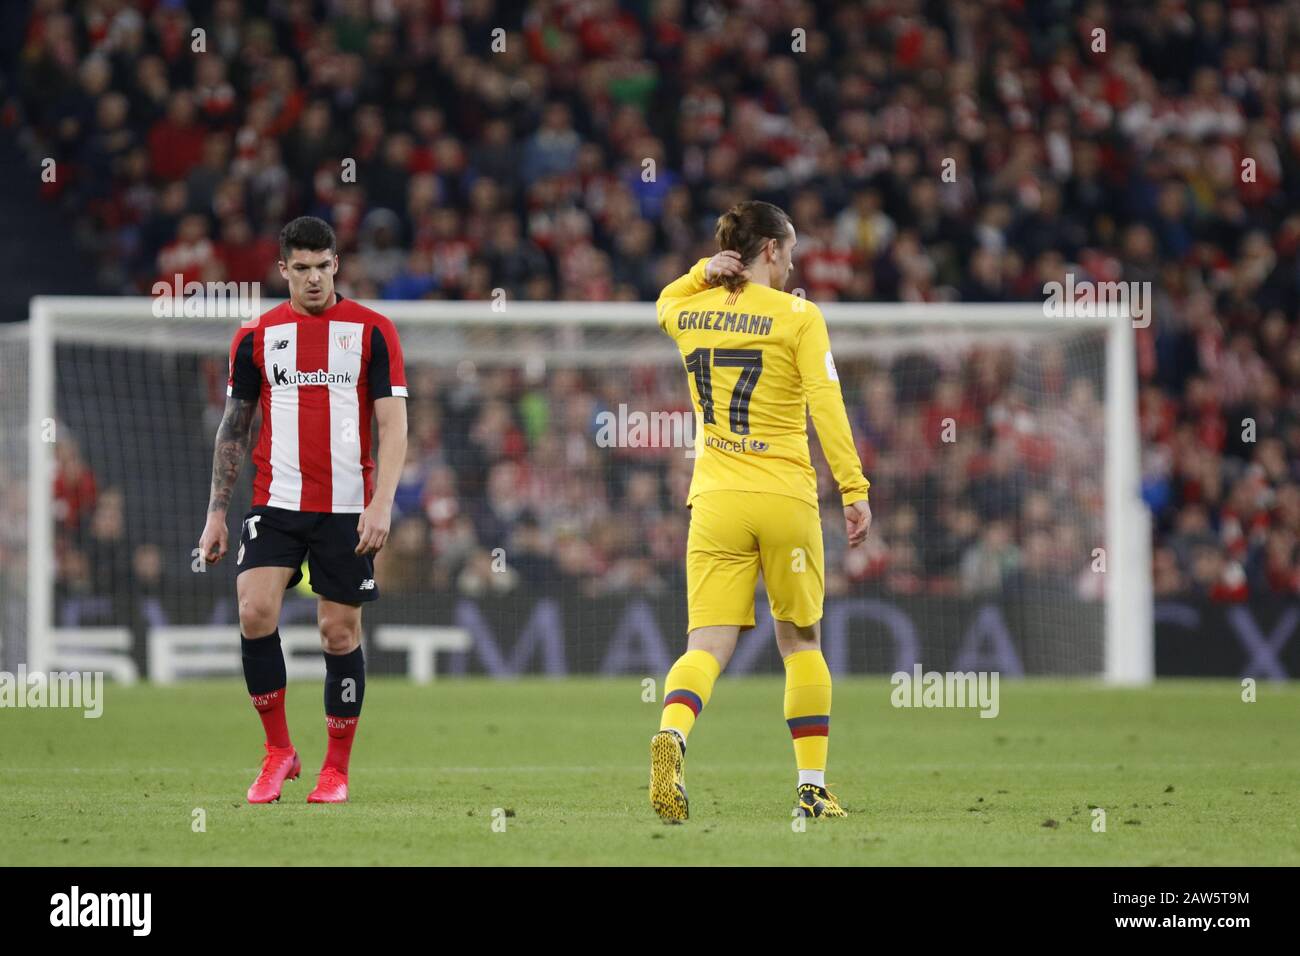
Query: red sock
341 731
270 707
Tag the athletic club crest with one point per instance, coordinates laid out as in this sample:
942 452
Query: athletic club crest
346 341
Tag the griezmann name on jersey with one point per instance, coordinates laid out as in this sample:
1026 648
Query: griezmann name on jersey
758 361
317 378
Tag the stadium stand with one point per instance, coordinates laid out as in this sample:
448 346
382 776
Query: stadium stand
522 170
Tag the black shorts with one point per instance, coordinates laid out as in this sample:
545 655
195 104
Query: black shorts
279 538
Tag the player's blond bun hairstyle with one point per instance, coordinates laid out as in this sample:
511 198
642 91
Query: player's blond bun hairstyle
745 228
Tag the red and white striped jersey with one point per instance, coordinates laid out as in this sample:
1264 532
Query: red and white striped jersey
317 377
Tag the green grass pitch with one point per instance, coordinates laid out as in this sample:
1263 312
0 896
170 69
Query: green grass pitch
1186 772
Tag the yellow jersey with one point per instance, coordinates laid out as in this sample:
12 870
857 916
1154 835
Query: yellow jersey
758 361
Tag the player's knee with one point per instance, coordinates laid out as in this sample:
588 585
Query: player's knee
339 635
792 638
258 616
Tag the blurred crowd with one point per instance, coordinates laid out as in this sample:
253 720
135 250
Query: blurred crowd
581 150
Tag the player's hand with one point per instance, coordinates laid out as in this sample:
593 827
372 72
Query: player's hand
372 528
725 263
857 521
213 541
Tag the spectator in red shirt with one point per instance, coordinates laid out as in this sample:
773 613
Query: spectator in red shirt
75 491
176 140
188 255
247 258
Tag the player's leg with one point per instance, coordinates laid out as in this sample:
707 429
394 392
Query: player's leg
721 573
343 580
345 689
270 553
808 713
807 697
793 571
261 592
690 680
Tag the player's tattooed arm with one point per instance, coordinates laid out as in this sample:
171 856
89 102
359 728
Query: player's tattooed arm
232 446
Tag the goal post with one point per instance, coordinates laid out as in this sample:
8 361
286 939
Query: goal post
15 514
96 365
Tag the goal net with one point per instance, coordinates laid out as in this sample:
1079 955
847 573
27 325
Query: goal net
540 526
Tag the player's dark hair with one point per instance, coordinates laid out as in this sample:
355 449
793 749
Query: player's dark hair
745 228
306 232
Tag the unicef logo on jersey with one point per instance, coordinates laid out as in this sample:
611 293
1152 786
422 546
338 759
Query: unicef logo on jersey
758 445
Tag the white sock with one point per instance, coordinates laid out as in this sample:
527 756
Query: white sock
816 777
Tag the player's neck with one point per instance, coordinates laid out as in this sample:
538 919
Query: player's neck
761 275
301 310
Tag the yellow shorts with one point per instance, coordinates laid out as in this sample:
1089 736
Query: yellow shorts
732 534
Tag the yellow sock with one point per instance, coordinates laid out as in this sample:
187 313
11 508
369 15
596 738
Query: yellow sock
687 689
808 708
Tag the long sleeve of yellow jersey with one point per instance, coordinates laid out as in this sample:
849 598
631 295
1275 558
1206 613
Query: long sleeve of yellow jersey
689 284
821 386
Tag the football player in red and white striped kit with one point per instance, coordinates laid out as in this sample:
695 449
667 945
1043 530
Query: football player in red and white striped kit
318 366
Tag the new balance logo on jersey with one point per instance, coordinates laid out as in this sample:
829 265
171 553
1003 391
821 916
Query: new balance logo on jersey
282 377
368 584
279 344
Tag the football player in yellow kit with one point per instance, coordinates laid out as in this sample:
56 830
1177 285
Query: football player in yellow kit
758 361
